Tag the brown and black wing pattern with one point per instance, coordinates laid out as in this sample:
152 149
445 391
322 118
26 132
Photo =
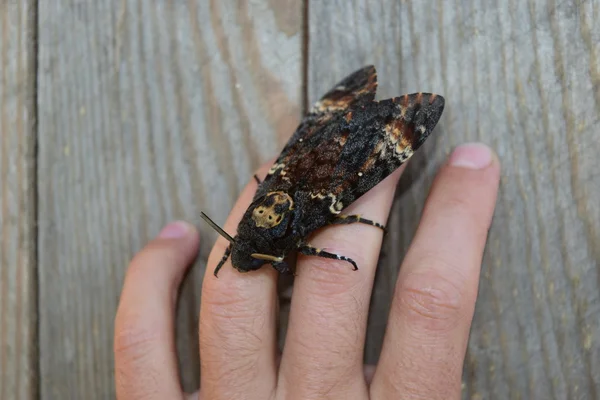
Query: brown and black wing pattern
381 137
357 88
355 152
347 144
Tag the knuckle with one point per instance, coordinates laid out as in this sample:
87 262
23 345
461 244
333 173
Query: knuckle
326 376
230 300
431 302
330 277
232 318
131 383
465 210
133 342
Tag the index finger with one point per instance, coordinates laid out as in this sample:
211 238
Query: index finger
237 320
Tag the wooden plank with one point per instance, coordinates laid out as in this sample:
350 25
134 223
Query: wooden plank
149 111
523 77
18 306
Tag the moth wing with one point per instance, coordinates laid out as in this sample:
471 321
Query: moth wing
357 88
376 138
354 153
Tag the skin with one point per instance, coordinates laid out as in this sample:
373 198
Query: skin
427 332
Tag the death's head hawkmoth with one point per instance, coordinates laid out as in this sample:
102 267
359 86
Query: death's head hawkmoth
344 146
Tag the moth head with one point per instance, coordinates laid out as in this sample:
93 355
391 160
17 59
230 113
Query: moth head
244 256
271 210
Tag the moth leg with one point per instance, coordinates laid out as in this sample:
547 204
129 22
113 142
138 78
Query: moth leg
351 219
283 268
313 251
223 259
257 179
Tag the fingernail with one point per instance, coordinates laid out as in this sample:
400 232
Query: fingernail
471 155
177 229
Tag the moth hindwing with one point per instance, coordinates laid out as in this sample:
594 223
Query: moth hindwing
345 145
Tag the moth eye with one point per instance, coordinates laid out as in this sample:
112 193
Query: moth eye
270 217
260 211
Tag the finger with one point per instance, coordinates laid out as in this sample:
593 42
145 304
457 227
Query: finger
237 321
430 317
328 316
144 345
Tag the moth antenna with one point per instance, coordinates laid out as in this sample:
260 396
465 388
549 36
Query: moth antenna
217 227
266 257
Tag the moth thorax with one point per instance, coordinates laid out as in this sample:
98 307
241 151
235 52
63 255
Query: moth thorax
273 208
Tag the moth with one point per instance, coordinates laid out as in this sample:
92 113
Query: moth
345 145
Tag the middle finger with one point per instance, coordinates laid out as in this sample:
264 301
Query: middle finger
327 324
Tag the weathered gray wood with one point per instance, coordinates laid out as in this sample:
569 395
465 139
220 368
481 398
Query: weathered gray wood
149 111
524 77
18 307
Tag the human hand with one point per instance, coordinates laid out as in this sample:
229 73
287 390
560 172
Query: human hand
428 327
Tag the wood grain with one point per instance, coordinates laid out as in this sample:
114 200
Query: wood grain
18 307
149 111
524 77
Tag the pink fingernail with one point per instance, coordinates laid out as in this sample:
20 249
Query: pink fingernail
471 155
174 230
